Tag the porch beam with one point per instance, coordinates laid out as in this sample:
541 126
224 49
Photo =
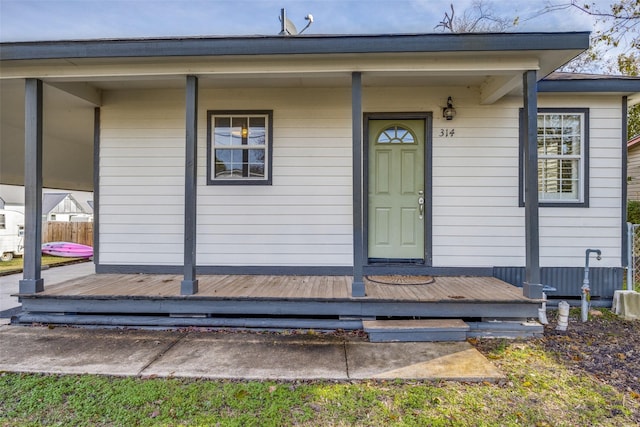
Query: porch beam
32 281
504 68
189 285
531 287
357 286
83 91
497 87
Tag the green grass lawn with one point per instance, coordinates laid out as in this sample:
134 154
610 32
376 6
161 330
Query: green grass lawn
539 391
15 265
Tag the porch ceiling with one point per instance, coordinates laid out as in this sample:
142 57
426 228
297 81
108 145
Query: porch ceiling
67 143
498 73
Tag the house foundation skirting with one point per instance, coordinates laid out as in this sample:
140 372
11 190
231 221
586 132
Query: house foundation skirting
603 281
276 307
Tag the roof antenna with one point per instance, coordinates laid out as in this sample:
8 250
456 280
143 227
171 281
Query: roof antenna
288 28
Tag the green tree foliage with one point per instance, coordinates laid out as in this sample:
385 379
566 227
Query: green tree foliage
620 21
633 211
630 65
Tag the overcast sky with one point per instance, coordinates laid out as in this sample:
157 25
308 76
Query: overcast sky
37 20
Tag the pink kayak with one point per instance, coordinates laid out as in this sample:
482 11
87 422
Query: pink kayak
67 249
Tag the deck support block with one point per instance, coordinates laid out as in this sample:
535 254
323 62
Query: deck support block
30 286
532 290
189 287
357 288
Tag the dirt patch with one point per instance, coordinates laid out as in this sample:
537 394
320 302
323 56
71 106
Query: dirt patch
606 347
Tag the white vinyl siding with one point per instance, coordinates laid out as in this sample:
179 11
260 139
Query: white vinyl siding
564 234
305 217
142 178
476 218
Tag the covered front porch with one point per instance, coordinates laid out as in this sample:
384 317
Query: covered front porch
191 218
271 301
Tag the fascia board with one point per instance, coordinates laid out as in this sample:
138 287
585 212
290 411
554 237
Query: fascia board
271 45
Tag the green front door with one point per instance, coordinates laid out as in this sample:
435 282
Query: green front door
396 190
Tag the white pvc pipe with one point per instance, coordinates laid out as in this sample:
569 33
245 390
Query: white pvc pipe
563 316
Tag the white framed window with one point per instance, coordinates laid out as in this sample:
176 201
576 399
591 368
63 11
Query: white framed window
563 167
239 145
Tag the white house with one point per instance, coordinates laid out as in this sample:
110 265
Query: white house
69 203
355 155
633 172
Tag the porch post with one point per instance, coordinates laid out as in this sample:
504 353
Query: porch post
189 285
32 281
357 286
624 262
531 287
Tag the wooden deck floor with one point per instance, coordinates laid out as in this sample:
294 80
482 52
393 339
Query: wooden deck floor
267 301
318 288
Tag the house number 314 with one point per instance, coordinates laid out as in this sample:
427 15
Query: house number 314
447 133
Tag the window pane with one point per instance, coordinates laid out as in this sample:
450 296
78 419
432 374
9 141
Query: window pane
222 131
239 163
223 122
558 179
384 138
571 124
257 131
395 135
228 164
571 145
239 131
256 163
552 146
552 125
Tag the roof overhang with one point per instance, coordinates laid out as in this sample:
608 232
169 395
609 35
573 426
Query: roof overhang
300 45
494 62
592 84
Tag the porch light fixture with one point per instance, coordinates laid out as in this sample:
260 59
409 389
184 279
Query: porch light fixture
449 112
245 132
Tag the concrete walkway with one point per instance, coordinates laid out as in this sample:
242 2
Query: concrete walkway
9 284
219 355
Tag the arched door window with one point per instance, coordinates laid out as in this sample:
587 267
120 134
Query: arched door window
396 135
